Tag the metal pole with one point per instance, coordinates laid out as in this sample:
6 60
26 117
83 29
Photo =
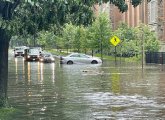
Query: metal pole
101 44
115 56
142 50
142 19
101 49
162 60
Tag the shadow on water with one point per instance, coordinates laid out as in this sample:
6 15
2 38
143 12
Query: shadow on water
85 92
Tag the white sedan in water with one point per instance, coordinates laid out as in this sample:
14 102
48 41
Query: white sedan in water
79 58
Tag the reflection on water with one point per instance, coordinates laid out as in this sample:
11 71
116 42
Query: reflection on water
31 87
107 105
35 71
115 79
19 73
85 92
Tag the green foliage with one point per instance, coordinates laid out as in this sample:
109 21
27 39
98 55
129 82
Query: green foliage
18 41
5 113
85 39
121 4
100 32
69 35
74 37
128 45
151 44
136 2
46 39
132 38
39 15
31 16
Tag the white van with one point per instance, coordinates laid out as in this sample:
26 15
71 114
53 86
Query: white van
20 51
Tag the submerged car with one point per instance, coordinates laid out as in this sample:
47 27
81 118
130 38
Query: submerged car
79 58
47 58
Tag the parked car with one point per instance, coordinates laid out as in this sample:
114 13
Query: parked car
79 58
47 58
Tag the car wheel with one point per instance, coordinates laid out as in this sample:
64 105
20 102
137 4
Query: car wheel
70 62
94 62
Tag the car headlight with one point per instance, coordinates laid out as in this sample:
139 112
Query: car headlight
28 56
41 59
52 59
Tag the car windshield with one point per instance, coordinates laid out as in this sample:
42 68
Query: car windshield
18 48
47 55
34 51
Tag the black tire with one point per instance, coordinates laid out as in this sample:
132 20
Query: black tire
70 62
94 62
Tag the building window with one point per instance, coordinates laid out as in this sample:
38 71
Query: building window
153 11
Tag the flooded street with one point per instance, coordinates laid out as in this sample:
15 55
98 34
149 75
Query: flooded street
86 92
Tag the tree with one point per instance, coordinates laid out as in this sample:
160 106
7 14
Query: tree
46 39
6 10
24 17
69 35
31 16
99 33
151 43
83 39
131 40
128 36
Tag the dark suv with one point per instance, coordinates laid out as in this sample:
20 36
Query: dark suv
32 54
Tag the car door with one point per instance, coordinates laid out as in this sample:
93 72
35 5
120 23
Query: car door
84 58
75 58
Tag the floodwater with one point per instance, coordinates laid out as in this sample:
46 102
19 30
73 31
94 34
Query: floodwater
86 92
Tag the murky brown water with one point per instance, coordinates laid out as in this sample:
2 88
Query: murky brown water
86 92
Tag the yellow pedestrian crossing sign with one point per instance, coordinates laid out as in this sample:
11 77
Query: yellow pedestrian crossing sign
115 40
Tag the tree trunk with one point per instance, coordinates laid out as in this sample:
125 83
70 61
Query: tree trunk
4 45
6 10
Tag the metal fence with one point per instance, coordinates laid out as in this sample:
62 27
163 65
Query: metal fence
155 57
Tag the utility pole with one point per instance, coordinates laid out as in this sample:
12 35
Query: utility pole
142 41
101 44
142 49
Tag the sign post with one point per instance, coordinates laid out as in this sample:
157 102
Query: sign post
115 41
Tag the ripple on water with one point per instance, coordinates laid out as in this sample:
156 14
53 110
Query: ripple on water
122 106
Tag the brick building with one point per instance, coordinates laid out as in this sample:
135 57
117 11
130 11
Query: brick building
161 19
156 19
133 17
152 13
